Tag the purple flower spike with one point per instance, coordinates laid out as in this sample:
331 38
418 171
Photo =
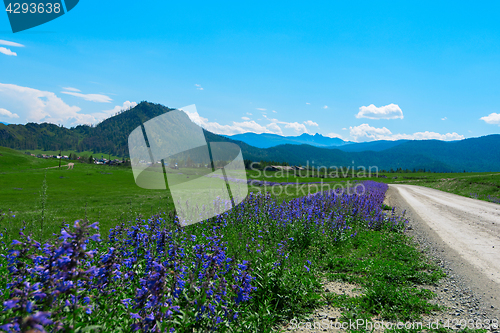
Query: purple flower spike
10 304
135 316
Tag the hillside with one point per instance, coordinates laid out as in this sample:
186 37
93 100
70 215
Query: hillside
477 154
111 137
14 160
334 157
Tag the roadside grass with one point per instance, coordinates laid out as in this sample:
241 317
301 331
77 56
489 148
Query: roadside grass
478 186
289 258
389 269
384 263
483 186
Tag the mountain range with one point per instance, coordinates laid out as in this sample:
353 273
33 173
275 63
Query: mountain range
266 140
111 136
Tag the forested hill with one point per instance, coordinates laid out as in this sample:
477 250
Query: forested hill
111 136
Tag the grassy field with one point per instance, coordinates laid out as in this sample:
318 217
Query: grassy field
108 194
68 152
483 186
102 193
380 260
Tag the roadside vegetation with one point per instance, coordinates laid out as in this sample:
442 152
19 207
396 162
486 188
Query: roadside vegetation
478 185
482 186
252 269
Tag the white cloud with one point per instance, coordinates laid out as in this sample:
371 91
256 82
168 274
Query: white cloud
90 97
248 113
6 42
444 118
275 128
199 87
72 89
429 136
308 103
365 132
492 118
310 123
8 52
100 116
275 111
391 111
334 135
32 105
260 109
297 127
235 128
325 107
7 113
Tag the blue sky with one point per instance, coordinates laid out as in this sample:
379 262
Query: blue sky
358 70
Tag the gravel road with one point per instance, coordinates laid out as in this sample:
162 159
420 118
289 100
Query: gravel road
463 236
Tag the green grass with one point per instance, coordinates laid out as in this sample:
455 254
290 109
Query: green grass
386 265
68 152
476 185
107 194
102 193
98 192
389 268
14 161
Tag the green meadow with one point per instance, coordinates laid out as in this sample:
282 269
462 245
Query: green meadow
385 265
100 193
37 190
479 185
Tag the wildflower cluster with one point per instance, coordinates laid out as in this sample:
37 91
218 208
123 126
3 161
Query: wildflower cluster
152 275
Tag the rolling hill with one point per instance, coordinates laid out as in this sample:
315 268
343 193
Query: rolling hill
111 136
